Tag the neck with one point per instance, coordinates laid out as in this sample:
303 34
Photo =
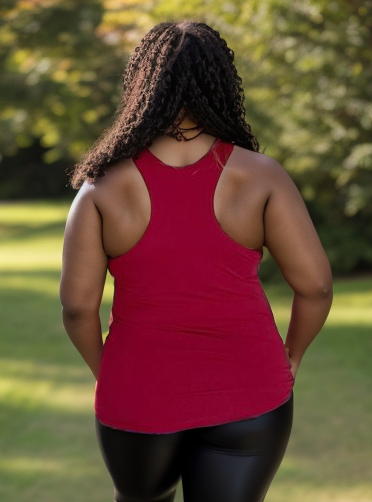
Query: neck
186 130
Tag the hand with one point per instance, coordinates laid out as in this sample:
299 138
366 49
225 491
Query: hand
294 364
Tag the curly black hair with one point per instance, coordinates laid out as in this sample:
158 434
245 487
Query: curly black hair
176 66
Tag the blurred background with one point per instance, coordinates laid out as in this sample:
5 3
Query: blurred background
307 75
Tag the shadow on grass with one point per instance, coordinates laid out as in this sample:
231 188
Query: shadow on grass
333 411
32 318
47 441
24 232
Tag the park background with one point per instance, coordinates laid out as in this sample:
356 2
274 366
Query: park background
307 75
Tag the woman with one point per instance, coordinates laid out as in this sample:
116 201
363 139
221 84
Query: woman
194 381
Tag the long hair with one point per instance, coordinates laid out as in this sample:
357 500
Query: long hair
185 65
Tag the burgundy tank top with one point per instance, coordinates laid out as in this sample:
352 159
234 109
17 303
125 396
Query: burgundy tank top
192 339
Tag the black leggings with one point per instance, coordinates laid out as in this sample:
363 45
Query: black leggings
232 462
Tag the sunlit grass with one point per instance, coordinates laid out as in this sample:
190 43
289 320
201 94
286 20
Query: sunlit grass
48 448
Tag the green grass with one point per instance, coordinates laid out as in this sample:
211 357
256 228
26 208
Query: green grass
48 448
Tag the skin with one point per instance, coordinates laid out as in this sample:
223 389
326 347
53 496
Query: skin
256 203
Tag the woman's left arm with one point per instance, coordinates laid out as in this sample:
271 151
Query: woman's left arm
84 268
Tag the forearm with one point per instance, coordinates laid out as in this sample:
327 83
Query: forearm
307 319
85 332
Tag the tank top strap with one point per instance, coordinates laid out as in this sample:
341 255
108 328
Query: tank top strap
179 191
159 175
182 197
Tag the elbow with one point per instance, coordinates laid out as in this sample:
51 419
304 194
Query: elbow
323 290
77 312
326 290
78 306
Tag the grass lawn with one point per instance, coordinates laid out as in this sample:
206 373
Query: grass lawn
48 448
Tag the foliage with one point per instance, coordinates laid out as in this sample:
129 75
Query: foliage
306 68
306 65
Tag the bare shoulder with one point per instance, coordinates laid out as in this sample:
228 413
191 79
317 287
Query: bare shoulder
259 161
260 167
115 173
117 177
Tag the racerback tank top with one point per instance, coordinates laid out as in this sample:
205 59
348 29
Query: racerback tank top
192 339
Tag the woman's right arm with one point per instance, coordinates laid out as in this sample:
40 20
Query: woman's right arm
293 242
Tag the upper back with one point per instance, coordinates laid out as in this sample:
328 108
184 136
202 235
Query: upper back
255 204
240 196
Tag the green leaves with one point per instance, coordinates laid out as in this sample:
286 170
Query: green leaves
305 64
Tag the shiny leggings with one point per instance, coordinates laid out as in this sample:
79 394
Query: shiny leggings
232 462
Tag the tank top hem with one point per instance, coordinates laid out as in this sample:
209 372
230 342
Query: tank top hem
189 424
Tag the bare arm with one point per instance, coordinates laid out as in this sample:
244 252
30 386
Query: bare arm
84 268
293 242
